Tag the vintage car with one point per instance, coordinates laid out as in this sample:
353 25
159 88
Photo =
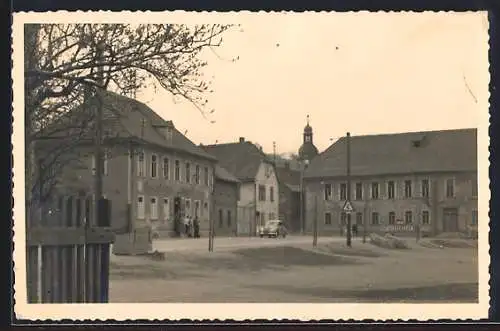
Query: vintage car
273 229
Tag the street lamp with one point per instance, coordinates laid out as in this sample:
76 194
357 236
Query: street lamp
303 167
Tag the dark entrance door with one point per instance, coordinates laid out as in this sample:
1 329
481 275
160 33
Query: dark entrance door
450 220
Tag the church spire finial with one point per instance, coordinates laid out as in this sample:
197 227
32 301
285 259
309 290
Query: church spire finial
307 119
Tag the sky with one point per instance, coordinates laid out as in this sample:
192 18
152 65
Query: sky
364 73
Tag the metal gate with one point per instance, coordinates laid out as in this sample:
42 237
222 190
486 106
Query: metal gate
68 252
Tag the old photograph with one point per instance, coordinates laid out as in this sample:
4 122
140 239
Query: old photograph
260 162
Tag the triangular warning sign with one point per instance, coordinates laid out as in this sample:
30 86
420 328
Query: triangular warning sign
348 207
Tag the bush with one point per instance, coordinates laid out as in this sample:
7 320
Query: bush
388 241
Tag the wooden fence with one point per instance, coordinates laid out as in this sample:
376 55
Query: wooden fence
68 252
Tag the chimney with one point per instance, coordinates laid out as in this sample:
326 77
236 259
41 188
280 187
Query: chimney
242 139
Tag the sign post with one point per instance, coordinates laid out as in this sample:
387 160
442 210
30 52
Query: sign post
347 206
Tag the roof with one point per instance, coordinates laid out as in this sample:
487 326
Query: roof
224 175
242 159
439 151
286 175
124 117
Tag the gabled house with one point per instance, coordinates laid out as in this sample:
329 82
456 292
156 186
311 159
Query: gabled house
398 181
259 189
289 201
152 174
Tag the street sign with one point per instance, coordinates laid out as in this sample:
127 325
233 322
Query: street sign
348 207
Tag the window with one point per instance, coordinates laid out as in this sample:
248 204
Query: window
359 218
154 209
425 188
140 207
104 164
474 188
328 218
221 221
154 166
188 172
205 177
197 208
425 217
392 218
262 193
229 220
328 191
359 191
166 209
271 194
375 190
408 189
375 218
206 210
343 191
187 208
177 174
474 217
197 175
141 164
308 138
408 217
271 216
450 188
166 168
390 189
343 218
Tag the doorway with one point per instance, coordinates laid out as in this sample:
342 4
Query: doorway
450 220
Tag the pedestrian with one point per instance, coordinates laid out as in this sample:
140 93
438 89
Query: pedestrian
196 227
190 227
355 230
186 225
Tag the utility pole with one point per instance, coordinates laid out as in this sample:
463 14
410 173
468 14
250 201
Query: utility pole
98 185
348 144
365 216
315 234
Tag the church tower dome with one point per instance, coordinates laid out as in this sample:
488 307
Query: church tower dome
307 151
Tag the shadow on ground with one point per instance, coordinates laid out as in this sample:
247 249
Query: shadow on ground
461 292
269 258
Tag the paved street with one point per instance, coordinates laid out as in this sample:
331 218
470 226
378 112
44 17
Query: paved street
231 243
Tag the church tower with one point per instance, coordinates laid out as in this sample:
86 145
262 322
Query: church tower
307 151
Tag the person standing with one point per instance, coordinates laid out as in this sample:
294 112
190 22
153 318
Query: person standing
186 225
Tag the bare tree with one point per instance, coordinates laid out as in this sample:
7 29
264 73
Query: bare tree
67 64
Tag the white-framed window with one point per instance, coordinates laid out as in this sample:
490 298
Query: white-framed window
343 191
271 194
359 218
166 208
425 189
188 172
140 207
154 166
358 192
408 217
328 191
177 170
141 164
197 174
205 176
426 218
374 190
375 220
450 188
153 208
391 189
408 188
262 193
166 168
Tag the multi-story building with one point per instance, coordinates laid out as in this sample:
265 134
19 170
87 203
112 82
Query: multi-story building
397 181
226 194
152 174
289 188
258 190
